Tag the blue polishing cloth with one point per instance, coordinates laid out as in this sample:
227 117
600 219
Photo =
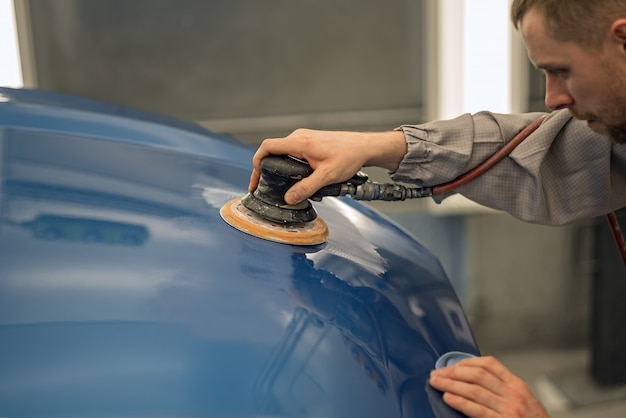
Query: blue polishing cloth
440 408
451 358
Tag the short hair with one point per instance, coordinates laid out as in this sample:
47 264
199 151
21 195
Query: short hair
583 22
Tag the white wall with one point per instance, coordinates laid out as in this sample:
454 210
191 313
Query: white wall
10 69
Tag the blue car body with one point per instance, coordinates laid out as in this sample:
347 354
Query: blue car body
124 294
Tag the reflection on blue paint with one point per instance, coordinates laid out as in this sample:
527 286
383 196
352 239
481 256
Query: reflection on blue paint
74 229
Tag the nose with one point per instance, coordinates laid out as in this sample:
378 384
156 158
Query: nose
557 94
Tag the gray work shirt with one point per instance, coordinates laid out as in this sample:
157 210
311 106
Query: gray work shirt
561 173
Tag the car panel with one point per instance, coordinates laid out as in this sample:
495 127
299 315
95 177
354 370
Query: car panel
123 293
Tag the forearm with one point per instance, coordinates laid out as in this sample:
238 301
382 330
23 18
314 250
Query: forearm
440 151
386 149
560 173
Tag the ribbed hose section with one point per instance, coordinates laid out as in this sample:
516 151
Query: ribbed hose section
389 192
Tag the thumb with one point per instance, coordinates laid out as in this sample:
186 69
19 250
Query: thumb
303 189
254 180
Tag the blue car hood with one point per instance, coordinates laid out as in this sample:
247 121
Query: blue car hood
123 292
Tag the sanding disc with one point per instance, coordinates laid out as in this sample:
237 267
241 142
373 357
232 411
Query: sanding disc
301 233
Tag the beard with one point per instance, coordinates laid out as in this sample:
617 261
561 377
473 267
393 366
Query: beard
612 114
618 133
613 118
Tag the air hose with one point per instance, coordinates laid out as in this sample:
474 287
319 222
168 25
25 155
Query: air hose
394 192
618 236
280 172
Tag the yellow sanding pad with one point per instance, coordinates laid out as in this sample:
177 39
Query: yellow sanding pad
305 233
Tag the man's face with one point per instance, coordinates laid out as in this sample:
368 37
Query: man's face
590 83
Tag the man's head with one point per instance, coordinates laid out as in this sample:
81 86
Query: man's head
581 47
583 22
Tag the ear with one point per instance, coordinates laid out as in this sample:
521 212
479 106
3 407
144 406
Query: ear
618 32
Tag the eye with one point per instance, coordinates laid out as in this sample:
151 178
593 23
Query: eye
557 72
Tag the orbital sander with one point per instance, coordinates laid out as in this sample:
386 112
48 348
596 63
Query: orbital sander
264 213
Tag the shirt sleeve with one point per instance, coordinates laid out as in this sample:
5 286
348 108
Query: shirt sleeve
561 173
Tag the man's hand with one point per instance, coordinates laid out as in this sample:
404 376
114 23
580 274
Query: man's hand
335 156
483 387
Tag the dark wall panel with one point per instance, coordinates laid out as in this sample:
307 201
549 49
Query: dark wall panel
198 59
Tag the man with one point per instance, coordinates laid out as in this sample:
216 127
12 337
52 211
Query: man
572 167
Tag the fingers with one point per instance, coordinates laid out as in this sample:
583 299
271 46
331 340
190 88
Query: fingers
471 388
300 143
483 387
307 187
486 365
468 407
277 146
334 156
254 180
479 371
